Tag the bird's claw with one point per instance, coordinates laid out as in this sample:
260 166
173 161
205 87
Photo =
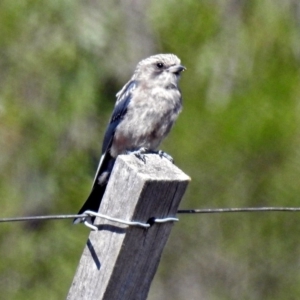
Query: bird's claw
140 153
165 155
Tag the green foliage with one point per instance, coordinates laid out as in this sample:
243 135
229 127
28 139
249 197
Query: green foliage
61 64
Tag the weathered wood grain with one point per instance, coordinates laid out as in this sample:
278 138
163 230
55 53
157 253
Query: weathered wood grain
119 261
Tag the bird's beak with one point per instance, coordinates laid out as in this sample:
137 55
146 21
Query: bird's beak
176 69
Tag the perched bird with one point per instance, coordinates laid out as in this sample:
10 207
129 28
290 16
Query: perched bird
145 111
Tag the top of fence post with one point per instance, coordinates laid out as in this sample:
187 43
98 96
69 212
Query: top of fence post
119 261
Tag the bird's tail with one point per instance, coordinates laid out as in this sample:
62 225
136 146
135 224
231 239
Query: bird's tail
92 203
102 175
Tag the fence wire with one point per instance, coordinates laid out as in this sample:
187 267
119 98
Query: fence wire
181 211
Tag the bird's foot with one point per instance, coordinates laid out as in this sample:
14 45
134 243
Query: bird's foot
165 155
140 153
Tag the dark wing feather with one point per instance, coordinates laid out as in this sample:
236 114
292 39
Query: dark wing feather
106 160
124 97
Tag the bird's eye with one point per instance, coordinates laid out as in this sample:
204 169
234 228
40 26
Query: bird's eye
160 65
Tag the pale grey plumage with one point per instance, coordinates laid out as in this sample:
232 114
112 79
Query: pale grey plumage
154 106
145 111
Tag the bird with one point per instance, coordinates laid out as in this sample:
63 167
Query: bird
144 113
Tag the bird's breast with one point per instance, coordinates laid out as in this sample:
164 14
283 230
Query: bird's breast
149 118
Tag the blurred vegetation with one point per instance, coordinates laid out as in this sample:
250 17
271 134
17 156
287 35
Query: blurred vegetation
61 63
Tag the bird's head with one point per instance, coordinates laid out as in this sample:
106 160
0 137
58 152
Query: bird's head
160 68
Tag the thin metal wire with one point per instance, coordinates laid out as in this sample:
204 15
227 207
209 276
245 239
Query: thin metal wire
102 216
237 209
182 211
34 218
86 219
165 220
90 213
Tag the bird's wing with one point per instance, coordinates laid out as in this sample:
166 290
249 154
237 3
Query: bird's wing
123 99
106 160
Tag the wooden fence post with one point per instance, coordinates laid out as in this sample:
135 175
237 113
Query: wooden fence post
120 261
